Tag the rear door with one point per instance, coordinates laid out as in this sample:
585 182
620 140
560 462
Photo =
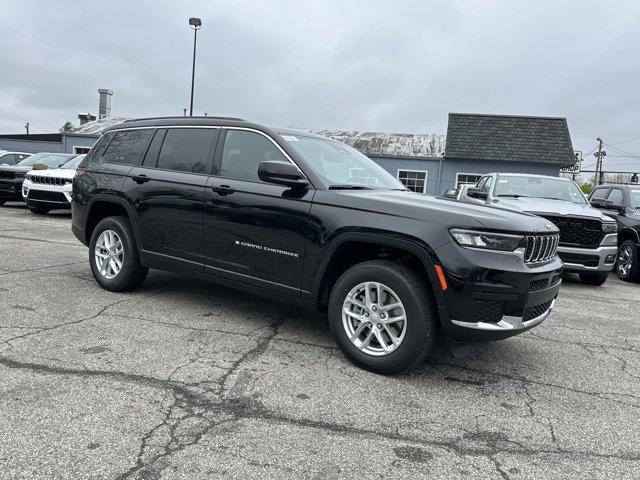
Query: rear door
167 193
254 231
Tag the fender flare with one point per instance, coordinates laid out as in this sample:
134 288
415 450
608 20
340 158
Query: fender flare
421 250
105 198
632 233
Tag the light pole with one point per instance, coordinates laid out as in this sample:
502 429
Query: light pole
196 24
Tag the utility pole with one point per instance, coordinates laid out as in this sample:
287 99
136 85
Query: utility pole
195 24
600 154
27 128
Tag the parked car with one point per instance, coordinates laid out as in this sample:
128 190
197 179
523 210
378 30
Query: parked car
11 158
279 212
12 177
588 239
622 202
460 192
50 189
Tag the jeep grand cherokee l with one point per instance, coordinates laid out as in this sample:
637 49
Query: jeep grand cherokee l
588 239
310 220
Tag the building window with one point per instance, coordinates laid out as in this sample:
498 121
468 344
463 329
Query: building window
462 178
81 150
414 180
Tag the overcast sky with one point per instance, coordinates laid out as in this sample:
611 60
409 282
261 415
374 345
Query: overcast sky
393 66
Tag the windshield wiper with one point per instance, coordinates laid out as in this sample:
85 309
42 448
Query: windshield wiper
555 198
346 186
512 195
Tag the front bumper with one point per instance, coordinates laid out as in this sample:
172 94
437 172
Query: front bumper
492 296
10 189
599 259
50 196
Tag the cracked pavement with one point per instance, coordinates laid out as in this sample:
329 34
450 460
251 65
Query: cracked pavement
181 379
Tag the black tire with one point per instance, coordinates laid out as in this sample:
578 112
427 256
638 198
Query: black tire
633 274
2 202
38 210
132 273
413 291
596 279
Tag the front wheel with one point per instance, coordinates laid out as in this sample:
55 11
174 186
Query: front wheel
113 255
627 266
383 317
596 279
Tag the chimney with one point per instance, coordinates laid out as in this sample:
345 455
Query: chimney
85 117
104 107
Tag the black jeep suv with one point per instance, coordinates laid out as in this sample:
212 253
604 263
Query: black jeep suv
312 221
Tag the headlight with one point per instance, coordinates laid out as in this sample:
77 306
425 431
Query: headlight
609 227
487 240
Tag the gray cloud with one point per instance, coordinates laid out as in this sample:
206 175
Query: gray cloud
389 66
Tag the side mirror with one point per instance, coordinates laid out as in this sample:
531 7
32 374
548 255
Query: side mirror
281 173
477 193
601 203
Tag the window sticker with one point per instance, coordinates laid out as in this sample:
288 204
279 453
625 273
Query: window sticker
290 138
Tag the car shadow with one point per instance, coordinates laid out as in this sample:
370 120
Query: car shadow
308 323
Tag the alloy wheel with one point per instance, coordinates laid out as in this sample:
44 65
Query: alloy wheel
374 318
625 261
109 254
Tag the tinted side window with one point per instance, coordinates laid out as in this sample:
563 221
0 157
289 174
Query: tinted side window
128 147
243 151
615 196
600 193
98 149
481 182
187 150
8 159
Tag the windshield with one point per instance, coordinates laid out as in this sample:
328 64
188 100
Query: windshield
74 162
340 166
538 187
48 159
634 198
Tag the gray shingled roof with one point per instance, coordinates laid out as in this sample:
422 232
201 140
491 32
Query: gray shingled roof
375 144
509 138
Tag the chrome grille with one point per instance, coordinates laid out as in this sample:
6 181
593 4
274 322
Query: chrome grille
42 180
541 247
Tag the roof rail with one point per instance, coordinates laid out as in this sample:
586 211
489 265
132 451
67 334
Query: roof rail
183 117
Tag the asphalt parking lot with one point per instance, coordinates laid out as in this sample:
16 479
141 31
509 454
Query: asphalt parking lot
183 379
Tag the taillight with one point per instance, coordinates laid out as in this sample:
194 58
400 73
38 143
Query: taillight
80 171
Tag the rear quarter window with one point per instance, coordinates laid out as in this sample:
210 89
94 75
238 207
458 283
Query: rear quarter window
128 147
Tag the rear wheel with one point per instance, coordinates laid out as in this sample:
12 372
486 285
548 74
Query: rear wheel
113 255
38 210
596 279
627 266
383 317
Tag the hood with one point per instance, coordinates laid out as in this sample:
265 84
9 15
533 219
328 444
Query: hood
447 212
548 206
55 172
15 168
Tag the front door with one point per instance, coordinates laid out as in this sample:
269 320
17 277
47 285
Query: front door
167 192
254 231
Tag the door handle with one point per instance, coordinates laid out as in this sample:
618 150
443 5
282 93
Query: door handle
140 178
223 190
